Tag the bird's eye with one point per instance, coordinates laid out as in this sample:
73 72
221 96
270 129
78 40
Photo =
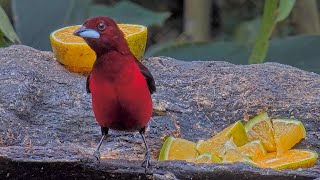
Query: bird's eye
101 26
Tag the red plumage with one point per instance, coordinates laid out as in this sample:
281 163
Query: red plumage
120 96
121 86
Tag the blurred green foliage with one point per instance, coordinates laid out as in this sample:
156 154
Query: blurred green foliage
36 19
297 51
7 33
245 33
130 13
269 21
274 11
285 8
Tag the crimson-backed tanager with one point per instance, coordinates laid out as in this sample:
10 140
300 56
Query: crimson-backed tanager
120 86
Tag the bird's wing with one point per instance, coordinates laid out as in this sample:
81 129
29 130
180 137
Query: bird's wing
87 84
149 78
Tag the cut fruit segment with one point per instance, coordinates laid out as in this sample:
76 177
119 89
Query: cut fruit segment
287 133
217 145
236 131
292 159
260 128
254 150
178 149
233 155
231 137
208 158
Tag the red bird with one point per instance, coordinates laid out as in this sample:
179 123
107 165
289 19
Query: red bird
120 86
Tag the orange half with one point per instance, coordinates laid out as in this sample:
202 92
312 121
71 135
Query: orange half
73 52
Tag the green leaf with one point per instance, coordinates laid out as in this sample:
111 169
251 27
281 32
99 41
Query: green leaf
6 27
36 19
130 13
285 7
3 42
298 51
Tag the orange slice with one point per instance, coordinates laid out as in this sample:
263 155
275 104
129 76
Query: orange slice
219 146
208 158
254 150
292 159
233 155
178 149
73 52
260 128
236 131
287 133
231 137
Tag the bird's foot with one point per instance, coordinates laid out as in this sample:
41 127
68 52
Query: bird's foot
147 162
97 156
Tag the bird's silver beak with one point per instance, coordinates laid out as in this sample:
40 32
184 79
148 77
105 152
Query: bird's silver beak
86 33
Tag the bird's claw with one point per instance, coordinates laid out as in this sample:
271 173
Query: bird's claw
97 156
147 162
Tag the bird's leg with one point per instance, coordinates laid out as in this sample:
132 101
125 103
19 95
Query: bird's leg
147 157
104 132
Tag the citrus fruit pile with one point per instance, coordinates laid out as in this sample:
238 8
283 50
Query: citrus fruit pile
73 52
261 142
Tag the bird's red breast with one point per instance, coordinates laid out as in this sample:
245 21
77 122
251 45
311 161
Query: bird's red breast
120 96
